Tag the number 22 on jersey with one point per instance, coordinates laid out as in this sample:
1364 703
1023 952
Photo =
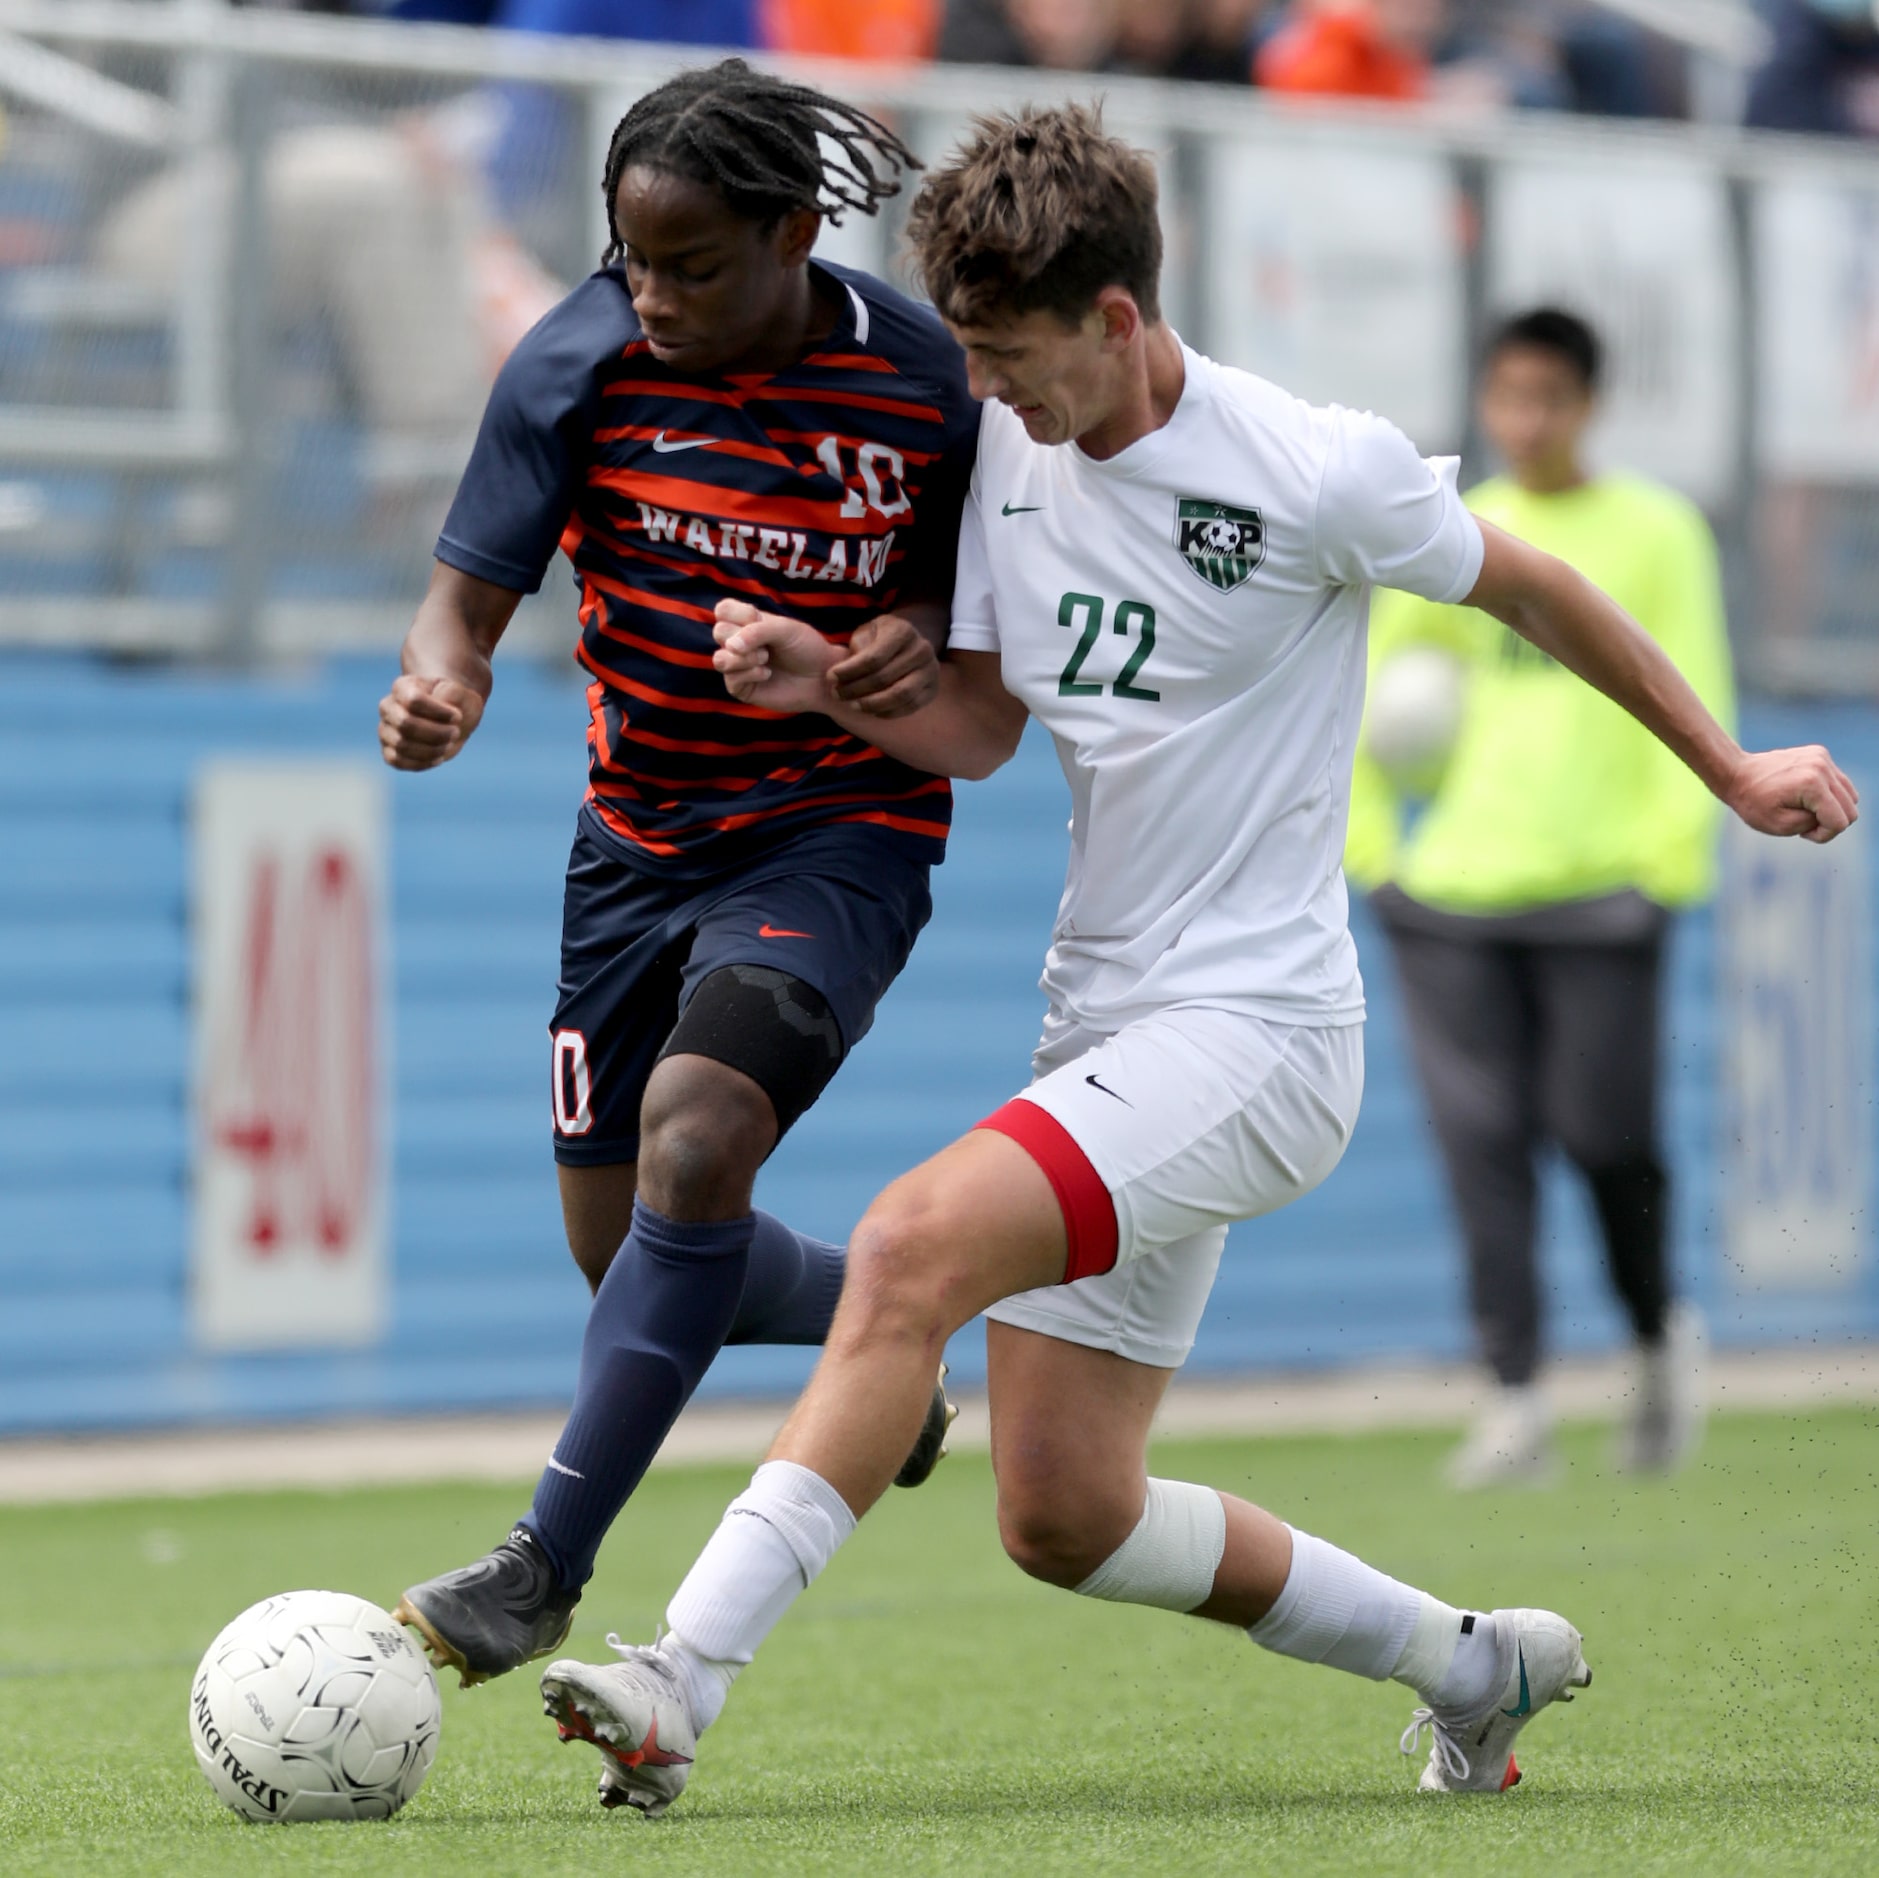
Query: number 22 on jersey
1133 619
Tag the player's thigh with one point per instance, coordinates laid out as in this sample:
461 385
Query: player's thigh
1473 1034
788 963
623 941
1600 1025
1070 1427
977 1222
1196 1117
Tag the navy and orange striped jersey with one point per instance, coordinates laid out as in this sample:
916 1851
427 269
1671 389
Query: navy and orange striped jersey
829 491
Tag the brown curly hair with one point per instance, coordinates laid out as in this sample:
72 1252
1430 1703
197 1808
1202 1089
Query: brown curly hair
1041 209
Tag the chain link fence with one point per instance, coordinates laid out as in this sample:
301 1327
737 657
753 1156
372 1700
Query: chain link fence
257 271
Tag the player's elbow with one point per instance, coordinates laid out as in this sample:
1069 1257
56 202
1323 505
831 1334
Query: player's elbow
993 743
981 761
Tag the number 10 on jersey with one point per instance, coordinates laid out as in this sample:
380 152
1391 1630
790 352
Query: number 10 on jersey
1133 619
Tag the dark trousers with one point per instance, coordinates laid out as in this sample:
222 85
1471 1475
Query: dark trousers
1519 1043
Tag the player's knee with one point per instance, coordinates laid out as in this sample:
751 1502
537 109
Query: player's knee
901 1279
1602 1153
1488 1135
704 1132
1062 1537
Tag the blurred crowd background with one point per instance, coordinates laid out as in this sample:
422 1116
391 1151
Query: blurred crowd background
1818 68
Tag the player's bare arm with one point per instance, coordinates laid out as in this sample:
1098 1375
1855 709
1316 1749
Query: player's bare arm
1778 792
970 728
437 702
892 667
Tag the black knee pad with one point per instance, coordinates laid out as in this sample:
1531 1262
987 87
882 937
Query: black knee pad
775 1028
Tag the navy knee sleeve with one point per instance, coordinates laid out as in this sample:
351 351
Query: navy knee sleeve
777 1029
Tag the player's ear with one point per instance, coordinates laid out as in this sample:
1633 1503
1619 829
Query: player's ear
1121 318
796 236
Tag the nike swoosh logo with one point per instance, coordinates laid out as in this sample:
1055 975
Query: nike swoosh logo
1038 509
1105 1088
1526 1695
665 446
767 931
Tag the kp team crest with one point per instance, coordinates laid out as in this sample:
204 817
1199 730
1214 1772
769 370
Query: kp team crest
1222 545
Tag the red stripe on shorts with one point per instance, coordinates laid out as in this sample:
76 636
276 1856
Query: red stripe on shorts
1089 1215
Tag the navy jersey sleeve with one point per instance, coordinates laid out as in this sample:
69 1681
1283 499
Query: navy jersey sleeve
532 451
930 565
921 348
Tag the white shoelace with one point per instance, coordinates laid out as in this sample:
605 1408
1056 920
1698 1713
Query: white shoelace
639 1652
1449 1757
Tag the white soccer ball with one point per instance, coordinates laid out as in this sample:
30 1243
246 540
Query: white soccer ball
1221 535
314 1705
1414 713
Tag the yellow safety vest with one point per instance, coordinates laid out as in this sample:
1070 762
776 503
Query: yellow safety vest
1552 793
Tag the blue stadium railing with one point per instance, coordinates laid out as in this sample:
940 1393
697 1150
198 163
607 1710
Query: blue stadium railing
95 764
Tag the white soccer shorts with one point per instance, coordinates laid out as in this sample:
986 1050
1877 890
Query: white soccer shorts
1192 1119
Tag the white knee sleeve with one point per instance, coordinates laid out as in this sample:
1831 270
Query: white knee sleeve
1170 1559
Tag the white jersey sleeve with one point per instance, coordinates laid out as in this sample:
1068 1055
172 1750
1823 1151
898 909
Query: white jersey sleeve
974 625
1389 517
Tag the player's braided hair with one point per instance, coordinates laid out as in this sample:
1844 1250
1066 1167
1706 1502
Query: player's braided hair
758 141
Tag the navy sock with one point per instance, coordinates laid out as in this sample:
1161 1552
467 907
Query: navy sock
662 1313
790 1287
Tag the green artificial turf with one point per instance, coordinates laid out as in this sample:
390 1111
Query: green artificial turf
926 1709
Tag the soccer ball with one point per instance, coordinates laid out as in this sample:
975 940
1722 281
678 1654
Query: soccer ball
314 1705
1418 697
1222 536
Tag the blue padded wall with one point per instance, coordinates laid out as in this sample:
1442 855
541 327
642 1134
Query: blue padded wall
95 767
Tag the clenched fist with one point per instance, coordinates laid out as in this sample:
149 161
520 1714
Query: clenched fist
1794 792
425 721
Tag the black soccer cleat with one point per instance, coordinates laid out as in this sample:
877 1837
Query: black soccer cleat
486 1619
917 1469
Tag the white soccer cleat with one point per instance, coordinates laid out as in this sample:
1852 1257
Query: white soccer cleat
637 1714
1541 1659
1665 1425
1510 1444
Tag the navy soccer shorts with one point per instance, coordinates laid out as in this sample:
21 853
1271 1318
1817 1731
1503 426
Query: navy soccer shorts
838 907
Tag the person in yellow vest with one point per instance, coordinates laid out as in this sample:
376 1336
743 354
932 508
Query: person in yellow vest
1528 902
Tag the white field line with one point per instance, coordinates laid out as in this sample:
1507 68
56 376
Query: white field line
512 1448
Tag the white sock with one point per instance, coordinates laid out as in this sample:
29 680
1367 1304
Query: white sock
771 1545
1474 1667
1335 1609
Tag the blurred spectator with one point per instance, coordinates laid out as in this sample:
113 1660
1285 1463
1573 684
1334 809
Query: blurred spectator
1219 45
840 29
1207 40
1822 74
1537 55
1612 68
684 22
1355 48
370 233
1528 906
1150 35
1067 35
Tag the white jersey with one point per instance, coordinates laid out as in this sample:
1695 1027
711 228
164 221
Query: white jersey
1187 619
